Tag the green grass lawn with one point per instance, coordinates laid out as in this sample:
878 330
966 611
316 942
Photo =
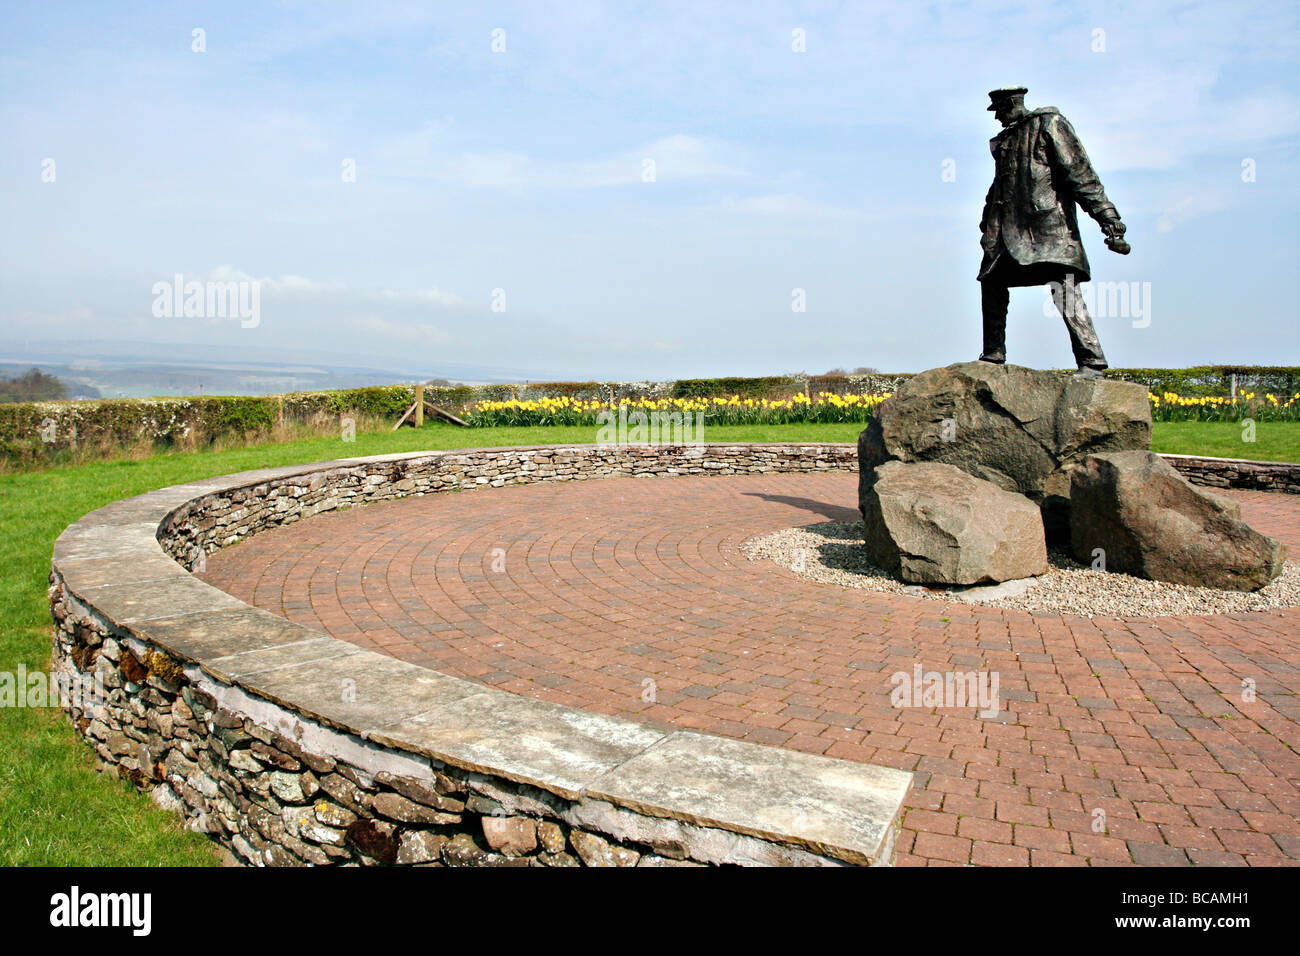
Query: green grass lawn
56 810
1274 441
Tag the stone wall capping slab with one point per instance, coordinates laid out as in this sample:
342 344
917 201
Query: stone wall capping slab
835 807
238 667
210 635
555 748
80 574
93 540
391 457
151 506
359 693
254 476
151 600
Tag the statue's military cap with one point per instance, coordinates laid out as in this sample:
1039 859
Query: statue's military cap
1004 93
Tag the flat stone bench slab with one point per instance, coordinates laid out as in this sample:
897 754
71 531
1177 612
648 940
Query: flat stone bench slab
834 807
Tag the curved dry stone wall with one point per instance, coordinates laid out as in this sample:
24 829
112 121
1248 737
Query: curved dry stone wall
1238 473
291 747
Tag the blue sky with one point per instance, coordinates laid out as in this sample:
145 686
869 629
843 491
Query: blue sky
522 170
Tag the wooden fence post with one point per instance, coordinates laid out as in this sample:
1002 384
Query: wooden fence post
419 406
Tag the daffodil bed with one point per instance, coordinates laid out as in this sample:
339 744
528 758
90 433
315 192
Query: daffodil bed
798 408
832 407
1172 407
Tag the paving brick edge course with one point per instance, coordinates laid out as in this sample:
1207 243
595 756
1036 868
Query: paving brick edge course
246 724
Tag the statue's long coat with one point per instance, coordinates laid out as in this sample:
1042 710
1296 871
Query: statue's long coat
1040 172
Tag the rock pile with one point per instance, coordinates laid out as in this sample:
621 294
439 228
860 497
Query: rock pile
931 523
966 469
1145 519
1019 428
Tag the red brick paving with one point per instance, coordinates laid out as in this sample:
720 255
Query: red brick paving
1120 741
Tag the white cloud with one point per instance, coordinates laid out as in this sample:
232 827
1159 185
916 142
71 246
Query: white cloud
285 285
676 157
302 287
1176 116
432 296
1188 207
787 206
417 333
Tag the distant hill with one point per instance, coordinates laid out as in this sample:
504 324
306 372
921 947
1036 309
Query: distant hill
150 380
137 376
122 368
36 386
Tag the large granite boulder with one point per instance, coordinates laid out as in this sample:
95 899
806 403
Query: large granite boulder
1020 428
1150 522
932 523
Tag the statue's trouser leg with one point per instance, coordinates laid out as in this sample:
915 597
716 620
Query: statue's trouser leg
1083 337
994 299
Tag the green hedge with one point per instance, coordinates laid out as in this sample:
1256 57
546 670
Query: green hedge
383 401
450 394
783 386
37 431
772 386
1281 380
856 383
584 391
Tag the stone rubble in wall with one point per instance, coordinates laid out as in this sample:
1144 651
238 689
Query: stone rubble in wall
275 804
1259 476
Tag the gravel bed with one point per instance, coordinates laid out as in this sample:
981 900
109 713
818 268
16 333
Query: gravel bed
832 552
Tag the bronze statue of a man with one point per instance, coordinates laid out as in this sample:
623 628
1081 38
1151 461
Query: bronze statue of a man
1029 227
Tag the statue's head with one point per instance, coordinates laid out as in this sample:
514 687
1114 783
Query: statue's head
1007 104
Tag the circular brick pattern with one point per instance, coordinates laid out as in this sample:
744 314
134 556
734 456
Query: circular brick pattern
631 597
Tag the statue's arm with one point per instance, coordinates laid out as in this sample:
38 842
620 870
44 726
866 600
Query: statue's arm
1069 157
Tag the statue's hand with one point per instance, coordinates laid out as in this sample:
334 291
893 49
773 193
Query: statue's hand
1115 237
